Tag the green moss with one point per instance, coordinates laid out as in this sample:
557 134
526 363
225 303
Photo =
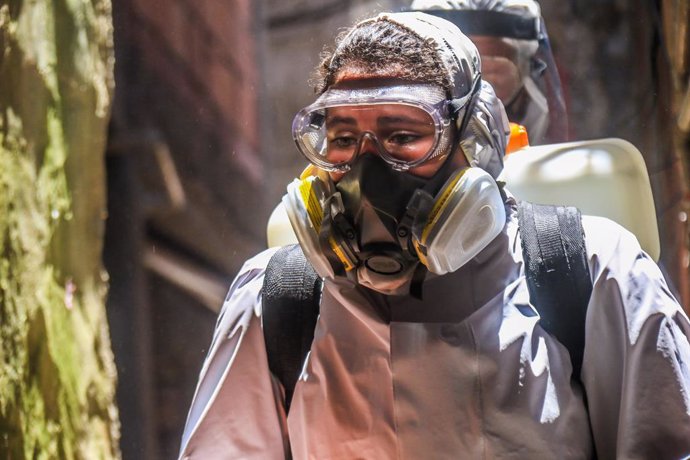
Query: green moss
57 388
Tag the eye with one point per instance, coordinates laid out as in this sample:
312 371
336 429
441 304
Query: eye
403 138
342 142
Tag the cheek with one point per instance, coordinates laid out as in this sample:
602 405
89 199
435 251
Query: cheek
429 168
417 150
335 175
460 159
338 155
503 75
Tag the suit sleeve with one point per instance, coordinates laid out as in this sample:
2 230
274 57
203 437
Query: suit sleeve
636 369
236 410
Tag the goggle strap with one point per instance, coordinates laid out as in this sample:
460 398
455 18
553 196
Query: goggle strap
469 105
457 105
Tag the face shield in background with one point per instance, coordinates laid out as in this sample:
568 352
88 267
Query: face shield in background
514 31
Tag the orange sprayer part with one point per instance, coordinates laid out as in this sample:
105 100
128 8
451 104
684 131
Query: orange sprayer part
518 138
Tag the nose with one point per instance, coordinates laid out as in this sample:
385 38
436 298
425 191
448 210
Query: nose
368 144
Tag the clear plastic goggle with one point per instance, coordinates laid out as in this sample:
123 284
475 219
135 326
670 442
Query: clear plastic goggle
406 124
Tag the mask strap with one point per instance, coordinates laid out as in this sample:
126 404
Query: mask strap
334 244
417 283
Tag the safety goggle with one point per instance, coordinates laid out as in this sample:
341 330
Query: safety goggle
407 125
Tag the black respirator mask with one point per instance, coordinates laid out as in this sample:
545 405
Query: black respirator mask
375 199
384 228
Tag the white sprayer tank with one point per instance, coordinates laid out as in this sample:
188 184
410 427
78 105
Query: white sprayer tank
603 177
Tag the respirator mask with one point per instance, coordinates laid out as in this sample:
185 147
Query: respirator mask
379 224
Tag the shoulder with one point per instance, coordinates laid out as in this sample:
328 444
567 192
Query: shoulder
623 273
615 253
602 233
613 248
242 306
243 299
257 263
234 358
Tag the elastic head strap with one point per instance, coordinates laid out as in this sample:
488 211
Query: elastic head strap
465 103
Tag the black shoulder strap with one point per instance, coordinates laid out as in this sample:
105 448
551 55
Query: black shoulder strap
558 278
291 295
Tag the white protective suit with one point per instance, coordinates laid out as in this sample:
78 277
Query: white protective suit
466 373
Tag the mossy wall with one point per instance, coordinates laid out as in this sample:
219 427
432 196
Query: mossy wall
57 381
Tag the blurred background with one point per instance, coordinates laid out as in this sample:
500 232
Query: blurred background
197 152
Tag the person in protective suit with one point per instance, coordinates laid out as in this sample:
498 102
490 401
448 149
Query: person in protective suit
516 59
427 345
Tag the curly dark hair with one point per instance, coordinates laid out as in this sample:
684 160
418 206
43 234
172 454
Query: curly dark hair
378 47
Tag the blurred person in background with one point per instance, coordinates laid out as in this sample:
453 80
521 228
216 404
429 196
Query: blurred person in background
516 59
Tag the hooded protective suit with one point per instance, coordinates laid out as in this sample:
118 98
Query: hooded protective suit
465 372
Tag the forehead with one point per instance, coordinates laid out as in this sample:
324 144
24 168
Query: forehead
379 113
354 76
429 97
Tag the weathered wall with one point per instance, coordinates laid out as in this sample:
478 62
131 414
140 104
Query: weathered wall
58 379
187 83
673 63
185 200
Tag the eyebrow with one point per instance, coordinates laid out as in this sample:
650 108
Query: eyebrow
341 120
388 120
